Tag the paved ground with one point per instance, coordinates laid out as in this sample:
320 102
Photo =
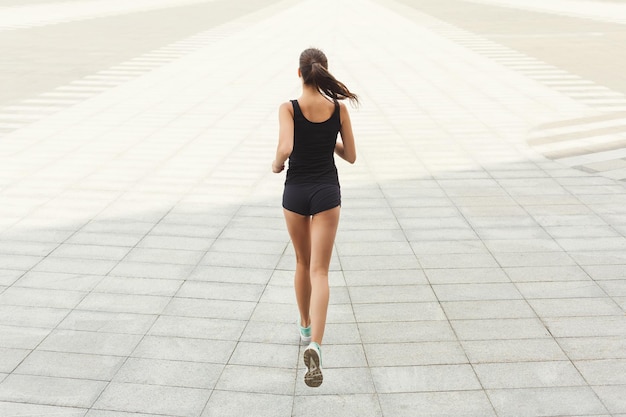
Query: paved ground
144 265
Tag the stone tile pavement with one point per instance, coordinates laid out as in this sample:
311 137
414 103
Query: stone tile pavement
145 269
563 50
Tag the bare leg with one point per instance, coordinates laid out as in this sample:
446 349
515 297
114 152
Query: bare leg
323 229
300 233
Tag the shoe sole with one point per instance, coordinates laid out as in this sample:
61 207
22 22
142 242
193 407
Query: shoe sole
313 377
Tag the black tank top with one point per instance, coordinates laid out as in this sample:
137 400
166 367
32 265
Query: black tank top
312 160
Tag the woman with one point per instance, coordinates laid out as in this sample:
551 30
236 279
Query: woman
312 199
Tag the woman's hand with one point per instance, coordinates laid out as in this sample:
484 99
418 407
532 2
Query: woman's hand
277 168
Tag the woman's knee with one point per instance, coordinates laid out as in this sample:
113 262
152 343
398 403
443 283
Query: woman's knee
319 272
304 263
303 259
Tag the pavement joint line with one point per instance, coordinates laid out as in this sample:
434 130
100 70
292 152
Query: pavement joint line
607 12
52 13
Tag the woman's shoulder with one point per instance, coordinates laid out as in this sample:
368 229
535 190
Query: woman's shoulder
343 109
286 106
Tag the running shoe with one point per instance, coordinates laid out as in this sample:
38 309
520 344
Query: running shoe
305 333
313 362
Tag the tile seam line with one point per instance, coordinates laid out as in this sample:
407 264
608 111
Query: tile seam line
42 22
549 11
134 357
540 387
85 409
25 374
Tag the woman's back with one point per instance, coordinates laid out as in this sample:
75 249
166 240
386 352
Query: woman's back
316 109
315 136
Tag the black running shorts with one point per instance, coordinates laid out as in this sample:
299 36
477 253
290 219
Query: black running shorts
310 199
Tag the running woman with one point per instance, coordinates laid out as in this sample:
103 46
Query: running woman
312 199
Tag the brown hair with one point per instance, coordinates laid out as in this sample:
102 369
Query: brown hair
314 70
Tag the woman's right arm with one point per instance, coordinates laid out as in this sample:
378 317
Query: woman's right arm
285 137
346 149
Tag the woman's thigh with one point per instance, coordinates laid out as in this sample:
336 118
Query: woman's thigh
323 231
299 228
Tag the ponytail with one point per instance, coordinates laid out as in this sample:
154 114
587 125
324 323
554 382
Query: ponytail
314 70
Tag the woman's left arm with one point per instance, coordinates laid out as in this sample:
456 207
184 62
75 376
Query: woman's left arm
285 137
346 149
